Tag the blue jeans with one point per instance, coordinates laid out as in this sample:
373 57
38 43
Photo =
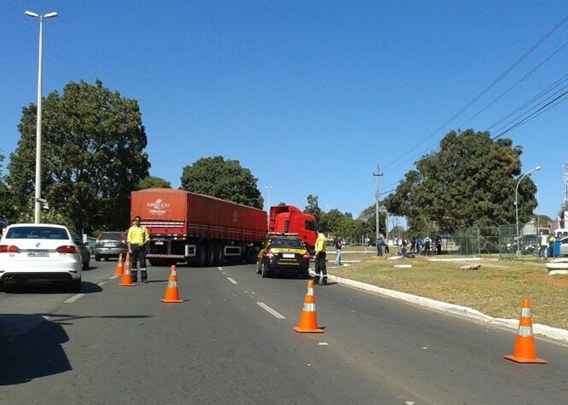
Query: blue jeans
338 257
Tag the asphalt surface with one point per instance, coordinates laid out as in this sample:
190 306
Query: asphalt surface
232 342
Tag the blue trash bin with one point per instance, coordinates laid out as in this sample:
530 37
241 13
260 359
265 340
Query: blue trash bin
556 248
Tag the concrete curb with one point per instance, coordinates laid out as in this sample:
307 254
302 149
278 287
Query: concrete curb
458 310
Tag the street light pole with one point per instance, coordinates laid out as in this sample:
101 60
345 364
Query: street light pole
377 174
521 177
37 197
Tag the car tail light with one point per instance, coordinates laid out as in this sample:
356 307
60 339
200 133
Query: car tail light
9 249
67 249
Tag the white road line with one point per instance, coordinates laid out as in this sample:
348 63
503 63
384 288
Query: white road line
219 268
232 280
323 344
271 311
101 283
74 298
113 277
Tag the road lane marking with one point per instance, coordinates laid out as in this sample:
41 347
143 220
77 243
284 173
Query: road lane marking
113 277
323 344
74 298
232 280
219 268
271 311
101 283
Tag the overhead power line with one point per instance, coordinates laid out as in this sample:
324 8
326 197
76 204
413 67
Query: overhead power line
484 91
549 105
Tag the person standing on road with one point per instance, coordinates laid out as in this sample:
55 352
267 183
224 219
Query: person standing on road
137 239
321 270
338 247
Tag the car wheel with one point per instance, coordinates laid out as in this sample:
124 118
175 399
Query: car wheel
264 272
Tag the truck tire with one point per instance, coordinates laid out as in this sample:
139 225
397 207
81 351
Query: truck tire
202 256
220 257
211 255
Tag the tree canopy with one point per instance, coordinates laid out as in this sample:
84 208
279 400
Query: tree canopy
92 156
469 181
7 210
153 182
222 178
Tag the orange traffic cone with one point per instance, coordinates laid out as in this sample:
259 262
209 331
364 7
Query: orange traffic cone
171 296
126 280
525 350
308 317
119 270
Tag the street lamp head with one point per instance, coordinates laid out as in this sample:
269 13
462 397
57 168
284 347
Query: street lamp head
31 14
50 15
538 168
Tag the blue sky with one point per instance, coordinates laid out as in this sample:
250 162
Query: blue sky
309 95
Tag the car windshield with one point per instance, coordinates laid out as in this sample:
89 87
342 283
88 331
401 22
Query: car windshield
37 232
112 236
286 242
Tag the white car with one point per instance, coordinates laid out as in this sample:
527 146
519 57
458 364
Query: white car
42 252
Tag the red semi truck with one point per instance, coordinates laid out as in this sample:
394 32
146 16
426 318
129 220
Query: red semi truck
289 219
198 229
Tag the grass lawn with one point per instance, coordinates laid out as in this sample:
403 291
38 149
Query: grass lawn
496 289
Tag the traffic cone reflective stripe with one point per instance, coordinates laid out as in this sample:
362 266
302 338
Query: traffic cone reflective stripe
308 317
119 271
171 296
525 348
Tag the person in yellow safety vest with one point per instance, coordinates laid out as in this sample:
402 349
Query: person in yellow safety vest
321 270
137 239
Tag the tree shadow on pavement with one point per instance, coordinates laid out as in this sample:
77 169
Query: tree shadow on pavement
31 345
36 352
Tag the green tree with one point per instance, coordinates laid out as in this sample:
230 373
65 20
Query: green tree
7 208
153 182
469 181
92 156
222 178
368 216
312 206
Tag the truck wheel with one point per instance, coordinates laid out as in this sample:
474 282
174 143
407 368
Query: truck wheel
211 255
202 256
220 256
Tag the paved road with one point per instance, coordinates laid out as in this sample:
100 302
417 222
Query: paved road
221 346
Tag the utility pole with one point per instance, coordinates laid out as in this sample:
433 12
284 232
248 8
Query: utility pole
377 174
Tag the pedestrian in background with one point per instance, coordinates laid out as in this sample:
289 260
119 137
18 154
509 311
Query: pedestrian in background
427 245
543 248
338 247
380 245
137 239
321 270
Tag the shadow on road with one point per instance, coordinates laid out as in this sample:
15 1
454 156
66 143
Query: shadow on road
35 353
31 345
49 288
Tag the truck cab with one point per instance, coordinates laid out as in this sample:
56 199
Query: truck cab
290 219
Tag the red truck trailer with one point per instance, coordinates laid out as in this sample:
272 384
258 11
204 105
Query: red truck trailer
289 219
197 229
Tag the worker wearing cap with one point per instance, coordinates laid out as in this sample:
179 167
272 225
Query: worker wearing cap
321 270
137 239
